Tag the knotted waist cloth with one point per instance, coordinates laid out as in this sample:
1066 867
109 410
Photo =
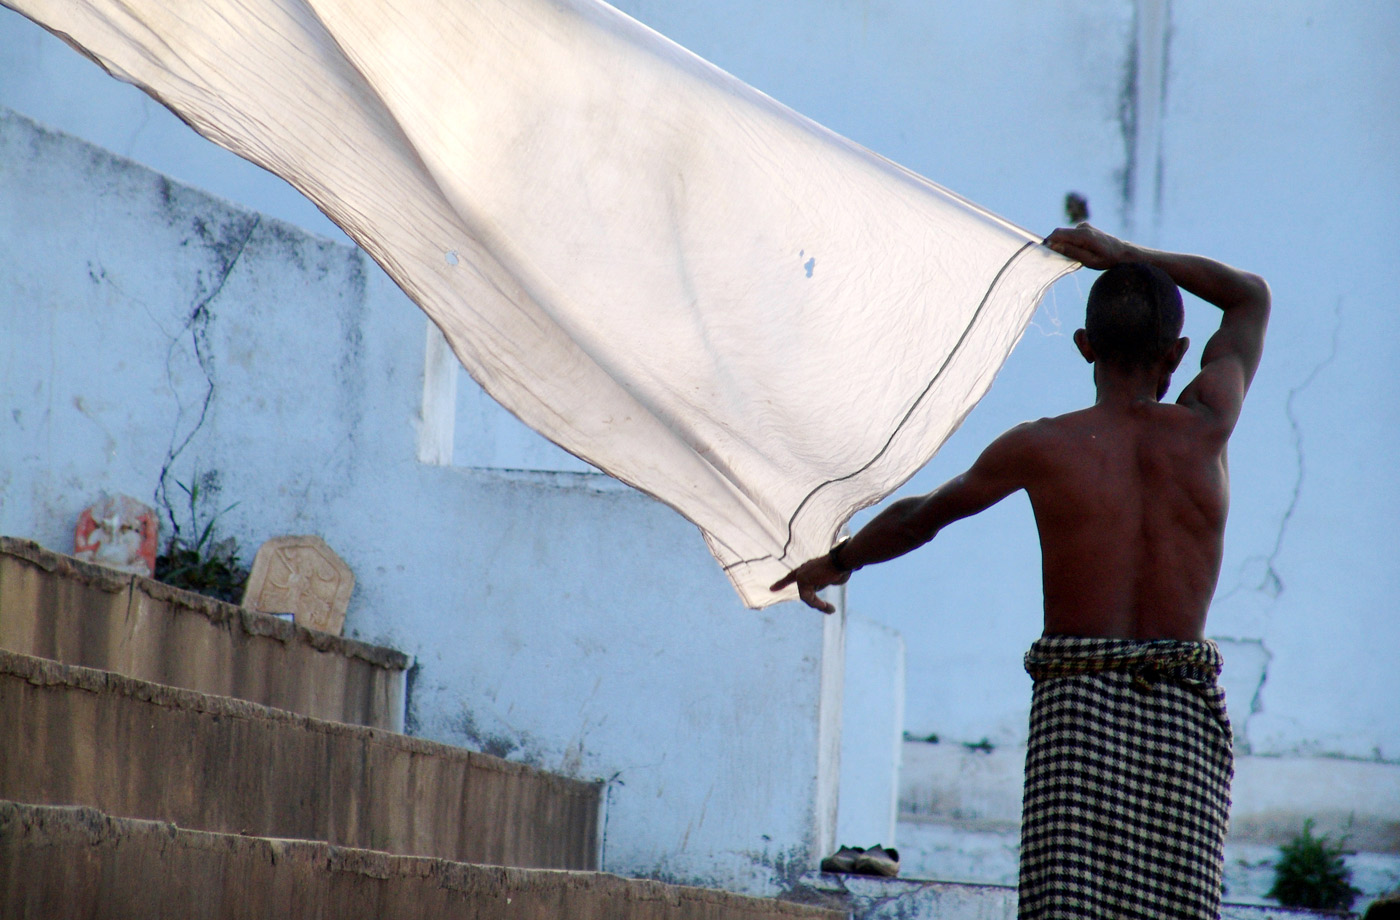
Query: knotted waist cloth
1128 772
654 265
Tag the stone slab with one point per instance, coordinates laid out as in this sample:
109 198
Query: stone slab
71 735
79 862
303 576
58 607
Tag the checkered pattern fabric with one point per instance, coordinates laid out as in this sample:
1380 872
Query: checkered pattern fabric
1128 776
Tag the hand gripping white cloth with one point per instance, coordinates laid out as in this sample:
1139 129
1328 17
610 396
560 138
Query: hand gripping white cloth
667 273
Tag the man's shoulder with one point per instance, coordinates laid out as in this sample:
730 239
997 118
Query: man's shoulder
1098 420
1039 439
1095 429
1026 434
1053 428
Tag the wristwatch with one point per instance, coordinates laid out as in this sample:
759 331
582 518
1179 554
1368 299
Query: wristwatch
834 557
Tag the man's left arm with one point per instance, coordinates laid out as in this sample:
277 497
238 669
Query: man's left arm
911 522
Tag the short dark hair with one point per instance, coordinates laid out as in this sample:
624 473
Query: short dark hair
1134 315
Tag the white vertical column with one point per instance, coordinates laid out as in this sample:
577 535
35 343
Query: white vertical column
872 743
437 416
829 717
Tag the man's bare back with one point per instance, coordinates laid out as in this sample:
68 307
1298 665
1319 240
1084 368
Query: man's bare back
1130 502
1130 495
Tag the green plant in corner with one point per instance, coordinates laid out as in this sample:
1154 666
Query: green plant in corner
202 564
1312 872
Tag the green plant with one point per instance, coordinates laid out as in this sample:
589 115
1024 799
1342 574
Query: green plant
1312 872
202 564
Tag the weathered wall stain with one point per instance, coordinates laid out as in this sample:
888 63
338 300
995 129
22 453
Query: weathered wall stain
1141 105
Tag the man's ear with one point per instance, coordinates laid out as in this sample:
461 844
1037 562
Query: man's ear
1081 340
1178 351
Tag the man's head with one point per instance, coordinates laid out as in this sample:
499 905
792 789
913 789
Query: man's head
1134 316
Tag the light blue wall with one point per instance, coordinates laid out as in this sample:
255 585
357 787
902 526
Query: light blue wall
145 326
1275 149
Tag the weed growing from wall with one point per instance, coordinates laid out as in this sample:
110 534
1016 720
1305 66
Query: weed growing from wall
193 560
1312 872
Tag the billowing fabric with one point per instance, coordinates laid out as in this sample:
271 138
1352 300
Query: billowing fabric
1128 775
660 269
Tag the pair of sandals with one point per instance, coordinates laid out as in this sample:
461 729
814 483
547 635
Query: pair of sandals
879 861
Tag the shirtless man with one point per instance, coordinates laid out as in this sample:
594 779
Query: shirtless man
1130 497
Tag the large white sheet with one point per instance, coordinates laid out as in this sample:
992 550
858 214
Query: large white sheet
667 273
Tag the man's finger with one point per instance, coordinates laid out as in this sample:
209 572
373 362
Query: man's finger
1070 251
809 597
783 582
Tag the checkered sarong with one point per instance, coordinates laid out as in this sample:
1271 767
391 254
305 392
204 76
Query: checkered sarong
1127 780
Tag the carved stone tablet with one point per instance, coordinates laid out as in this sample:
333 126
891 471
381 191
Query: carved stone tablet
304 577
120 533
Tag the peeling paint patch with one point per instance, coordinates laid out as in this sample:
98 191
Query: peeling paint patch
1246 673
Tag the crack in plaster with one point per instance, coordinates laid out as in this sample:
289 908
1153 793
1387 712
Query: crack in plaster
608 784
1271 584
197 325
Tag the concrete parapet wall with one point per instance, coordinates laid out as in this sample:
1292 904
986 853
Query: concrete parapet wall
978 789
54 606
77 862
960 815
913 899
73 735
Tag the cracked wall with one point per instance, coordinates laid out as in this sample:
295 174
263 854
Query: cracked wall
1258 583
1269 152
227 279
1275 139
149 331
1282 131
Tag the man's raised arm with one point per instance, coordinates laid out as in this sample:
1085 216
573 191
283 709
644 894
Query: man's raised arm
909 523
1232 355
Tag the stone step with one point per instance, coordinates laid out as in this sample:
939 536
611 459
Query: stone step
79 736
79 862
918 899
54 606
